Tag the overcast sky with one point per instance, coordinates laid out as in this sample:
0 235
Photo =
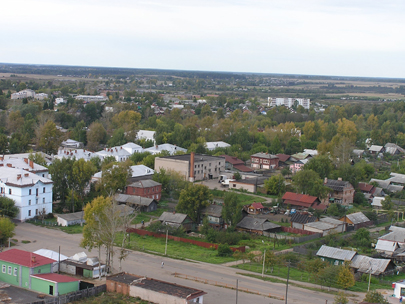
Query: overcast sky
318 37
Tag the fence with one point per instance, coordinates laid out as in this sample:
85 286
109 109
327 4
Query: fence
42 222
309 235
180 239
74 296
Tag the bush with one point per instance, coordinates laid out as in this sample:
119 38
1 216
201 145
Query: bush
365 277
224 250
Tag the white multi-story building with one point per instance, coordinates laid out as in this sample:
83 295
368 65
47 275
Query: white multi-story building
41 96
289 102
75 153
31 192
91 98
146 134
172 149
119 153
23 94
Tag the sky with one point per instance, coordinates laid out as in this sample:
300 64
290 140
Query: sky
314 37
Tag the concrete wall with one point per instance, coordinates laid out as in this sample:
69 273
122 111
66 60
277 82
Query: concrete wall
67 268
179 166
155 297
117 287
237 185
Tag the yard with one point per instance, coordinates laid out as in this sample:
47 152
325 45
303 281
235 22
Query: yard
111 298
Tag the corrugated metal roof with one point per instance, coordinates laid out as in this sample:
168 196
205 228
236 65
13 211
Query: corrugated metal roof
320 225
357 218
253 223
133 199
364 264
336 253
383 245
330 220
394 236
172 217
213 210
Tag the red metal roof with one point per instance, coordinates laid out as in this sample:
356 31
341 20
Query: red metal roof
365 187
24 258
303 198
283 157
233 160
54 277
257 205
243 168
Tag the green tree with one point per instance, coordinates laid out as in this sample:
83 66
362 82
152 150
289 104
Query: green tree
320 164
345 277
275 185
96 135
8 207
231 212
293 146
114 178
117 139
82 172
387 203
192 200
79 132
341 298
309 182
373 296
275 146
3 144
6 229
38 158
49 138
61 171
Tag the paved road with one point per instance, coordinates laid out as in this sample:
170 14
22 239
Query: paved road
150 265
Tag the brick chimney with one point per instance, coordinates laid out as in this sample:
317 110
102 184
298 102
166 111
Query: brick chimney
31 164
192 177
33 259
26 160
18 176
9 165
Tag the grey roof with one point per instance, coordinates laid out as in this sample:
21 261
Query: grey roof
382 183
72 216
396 234
303 218
392 148
323 226
173 217
383 245
337 185
259 180
336 253
375 148
253 223
357 218
364 264
264 155
145 184
397 178
213 210
133 200
395 188
331 221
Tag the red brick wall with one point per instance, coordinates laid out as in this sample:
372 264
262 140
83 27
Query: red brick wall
145 192
297 231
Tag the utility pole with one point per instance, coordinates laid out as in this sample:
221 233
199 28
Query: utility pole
288 278
167 232
237 291
264 259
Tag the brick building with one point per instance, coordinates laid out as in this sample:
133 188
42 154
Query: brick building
264 161
145 188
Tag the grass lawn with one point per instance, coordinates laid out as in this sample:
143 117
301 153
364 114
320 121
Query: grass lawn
140 217
146 216
71 229
176 250
110 298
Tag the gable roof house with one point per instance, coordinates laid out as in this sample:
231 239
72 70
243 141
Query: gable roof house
391 242
356 221
298 220
393 149
302 201
325 226
285 160
342 192
367 189
81 265
388 184
177 220
143 204
145 188
375 149
258 226
172 149
212 145
214 214
33 271
254 208
335 256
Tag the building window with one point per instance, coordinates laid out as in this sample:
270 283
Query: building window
29 202
43 175
36 211
29 192
9 191
10 269
43 190
4 268
194 173
29 212
43 200
15 271
219 163
209 164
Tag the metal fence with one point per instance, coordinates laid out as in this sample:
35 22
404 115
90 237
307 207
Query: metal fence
74 296
43 222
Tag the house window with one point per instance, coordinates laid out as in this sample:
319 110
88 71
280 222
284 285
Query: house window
29 212
9 191
336 263
133 190
209 164
219 163
36 211
15 271
4 268
43 175
29 202
10 269
43 200
234 185
29 192
43 190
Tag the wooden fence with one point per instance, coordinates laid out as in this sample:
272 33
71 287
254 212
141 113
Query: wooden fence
73 296
180 239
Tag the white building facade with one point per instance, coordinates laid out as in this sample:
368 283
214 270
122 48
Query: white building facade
289 102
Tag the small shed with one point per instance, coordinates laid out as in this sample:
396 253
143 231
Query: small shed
214 214
120 282
54 284
69 219
365 264
377 202
81 265
255 208
143 204
356 220
50 254
257 225
177 220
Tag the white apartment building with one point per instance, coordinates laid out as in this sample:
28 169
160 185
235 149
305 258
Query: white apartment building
23 94
146 134
289 102
31 192
91 98
41 96
75 153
